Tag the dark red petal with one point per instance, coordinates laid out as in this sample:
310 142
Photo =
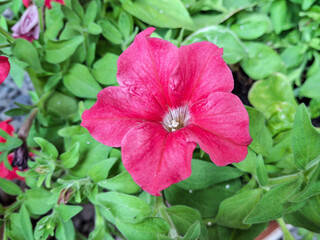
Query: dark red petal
116 111
201 71
220 124
5 126
156 158
26 3
149 64
4 68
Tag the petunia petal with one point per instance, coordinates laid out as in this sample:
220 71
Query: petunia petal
156 158
116 111
201 71
4 68
5 126
220 124
149 64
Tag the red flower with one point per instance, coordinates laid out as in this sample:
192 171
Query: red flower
4 172
47 3
4 68
169 99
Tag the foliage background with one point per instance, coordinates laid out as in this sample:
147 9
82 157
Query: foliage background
272 48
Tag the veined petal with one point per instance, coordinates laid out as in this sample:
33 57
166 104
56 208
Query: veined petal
149 64
156 158
116 111
201 71
4 68
220 124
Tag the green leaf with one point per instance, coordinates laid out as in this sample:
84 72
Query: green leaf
205 174
261 62
65 230
26 52
125 24
120 183
271 206
207 200
250 26
67 212
183 218
261 137
304 139
80 82
39 201
233 49
261 171
9 187
25 223
59 51
311 87
160 13
100 171
94 28
193 232
125 207
105 69
248 164
47 148
71 157
91 12
292 56
11 142
278 13
233 210
110 31
70 15
306 4
76 6
147 229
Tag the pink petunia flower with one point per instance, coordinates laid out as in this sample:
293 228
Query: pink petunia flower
4 172
4 68
28 26
47 3
169 99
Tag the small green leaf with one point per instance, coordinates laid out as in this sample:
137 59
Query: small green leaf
110 31
67 212
261 171
125 207
193 232
59 51
9 187
39 201
11 142
261 62
160 13
304 139
80 82
105 69
233 49
120 183
25 223
94 28
278 13
147 229
100 171
125 24
47 148
91 12
71 157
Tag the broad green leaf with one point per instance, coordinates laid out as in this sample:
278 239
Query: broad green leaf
261 62
160 13
120 183
248 164
292 56
311 87
261 171
65 230
233 210
26 52
251 26
91 12
100 171
147 229
270 207
71 157
105 69
233 49
76 6
306 4
47 148
66 212
304 139
207 200
125 207
54 22
261 137
14 230
125 24
205 174
25 223
9 187
94 28
80 82
39 201
59 51
193 232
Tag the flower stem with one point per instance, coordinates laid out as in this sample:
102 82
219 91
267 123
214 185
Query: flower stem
6 35
287 235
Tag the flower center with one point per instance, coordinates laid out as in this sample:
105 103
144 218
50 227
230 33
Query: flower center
176 118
